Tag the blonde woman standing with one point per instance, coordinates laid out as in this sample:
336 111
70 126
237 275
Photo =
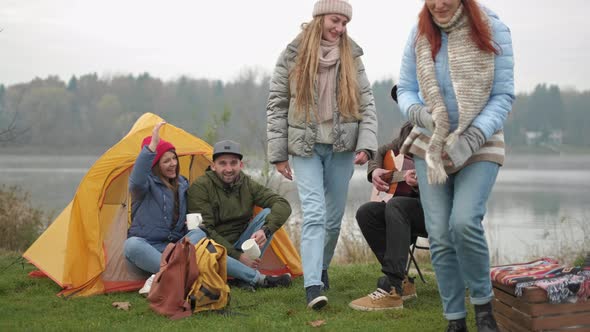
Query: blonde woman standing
321 112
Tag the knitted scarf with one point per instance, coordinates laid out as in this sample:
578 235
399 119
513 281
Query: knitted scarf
472 74
329 56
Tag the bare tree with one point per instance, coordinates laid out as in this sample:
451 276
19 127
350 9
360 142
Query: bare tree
11 132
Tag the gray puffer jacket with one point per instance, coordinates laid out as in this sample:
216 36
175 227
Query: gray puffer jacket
295 135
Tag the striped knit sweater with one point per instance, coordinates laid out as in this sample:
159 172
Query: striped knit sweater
472 73
493 149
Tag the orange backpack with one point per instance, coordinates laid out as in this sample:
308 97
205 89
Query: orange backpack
192 278
178 272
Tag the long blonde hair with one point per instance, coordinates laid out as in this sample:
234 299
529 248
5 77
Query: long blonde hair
304 73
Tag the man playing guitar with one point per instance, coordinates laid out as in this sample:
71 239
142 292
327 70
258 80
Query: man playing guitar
388 222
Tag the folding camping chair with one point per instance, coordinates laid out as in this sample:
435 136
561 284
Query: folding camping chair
413 244
413 247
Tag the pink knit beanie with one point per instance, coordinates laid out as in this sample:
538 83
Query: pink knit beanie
162 147
341 7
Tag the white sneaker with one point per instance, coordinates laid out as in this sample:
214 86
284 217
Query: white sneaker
145 290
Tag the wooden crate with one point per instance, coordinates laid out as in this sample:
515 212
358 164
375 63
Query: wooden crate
532 312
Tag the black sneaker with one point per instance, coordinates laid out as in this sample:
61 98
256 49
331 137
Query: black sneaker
486 322
283 280
235 282
325 280
458 325
315 300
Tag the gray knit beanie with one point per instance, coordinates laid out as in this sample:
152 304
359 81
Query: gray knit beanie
341 7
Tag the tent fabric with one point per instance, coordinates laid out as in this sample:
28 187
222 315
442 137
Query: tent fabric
82 250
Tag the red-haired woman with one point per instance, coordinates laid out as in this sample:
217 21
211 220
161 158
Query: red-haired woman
457 88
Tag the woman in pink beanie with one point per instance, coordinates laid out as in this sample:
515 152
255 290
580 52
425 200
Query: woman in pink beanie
321 112
158 205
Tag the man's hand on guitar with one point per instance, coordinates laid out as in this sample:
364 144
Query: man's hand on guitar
378 179
410 178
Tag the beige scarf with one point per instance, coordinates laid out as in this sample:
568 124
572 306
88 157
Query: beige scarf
472 74
329 56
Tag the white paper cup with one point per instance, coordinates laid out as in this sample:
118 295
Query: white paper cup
251 249
193 220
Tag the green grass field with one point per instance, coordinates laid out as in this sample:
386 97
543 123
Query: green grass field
32 305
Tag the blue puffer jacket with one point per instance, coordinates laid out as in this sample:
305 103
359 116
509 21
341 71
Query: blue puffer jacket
491 118
152 203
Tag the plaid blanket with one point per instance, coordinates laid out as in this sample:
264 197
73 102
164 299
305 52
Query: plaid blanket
512 274
562 283
566 288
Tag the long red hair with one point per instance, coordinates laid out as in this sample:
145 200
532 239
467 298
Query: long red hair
480 30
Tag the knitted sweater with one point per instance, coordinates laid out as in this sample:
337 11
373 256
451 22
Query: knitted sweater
489 120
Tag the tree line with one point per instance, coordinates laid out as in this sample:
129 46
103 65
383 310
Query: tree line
92 112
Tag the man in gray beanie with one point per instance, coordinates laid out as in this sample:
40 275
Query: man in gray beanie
225 197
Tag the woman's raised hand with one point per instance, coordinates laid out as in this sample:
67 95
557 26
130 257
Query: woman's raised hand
156 136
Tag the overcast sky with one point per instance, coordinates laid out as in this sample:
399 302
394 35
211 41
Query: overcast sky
220 39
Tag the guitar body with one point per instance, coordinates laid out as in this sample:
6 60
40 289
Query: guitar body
391 163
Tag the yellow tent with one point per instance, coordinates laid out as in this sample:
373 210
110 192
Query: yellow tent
82 250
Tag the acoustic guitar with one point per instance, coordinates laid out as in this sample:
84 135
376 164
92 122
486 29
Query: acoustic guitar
396 169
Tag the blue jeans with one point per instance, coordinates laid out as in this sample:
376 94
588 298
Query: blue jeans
146 256
322 183
453 212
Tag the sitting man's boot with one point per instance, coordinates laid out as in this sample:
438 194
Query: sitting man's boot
484 318
283 280
325 280
315 300
384 298
457 325
241 284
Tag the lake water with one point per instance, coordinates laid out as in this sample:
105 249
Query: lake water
540 204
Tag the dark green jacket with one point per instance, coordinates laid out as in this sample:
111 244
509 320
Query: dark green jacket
227 209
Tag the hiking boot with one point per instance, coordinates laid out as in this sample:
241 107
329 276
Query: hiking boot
408 289
241 284
378 300
484 318
315 300
145 290
325 280
283 280
457 325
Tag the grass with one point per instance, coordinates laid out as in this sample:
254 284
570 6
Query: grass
31 304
